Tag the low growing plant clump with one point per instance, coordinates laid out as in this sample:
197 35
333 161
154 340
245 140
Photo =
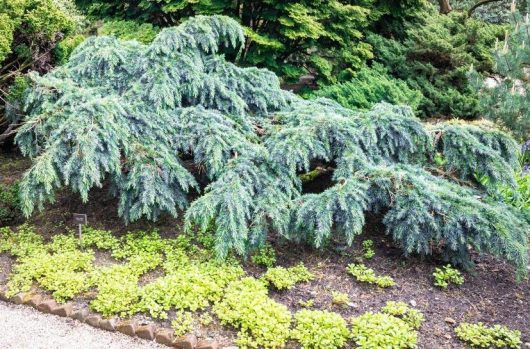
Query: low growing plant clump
380 330
182 323
261 321
364 274
447 275
317 329
481 336
265 256
339 299
414 318
368 249
284 278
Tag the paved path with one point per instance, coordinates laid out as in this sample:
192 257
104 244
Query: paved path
22 327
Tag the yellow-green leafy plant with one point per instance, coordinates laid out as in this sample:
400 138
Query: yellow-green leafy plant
340 299
262 322
117 285
380 330
447 275
364 274
191 285
265 256
182 323
306 304
206 319
481 336
58 266
317 329
401 310
100 239
368 249
284 278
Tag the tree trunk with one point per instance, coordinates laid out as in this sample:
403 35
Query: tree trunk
445 6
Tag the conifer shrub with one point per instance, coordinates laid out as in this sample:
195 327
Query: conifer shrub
369 86
129 30
506 101
159 121
434 57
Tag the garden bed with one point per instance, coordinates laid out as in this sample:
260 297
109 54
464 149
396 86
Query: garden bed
489 293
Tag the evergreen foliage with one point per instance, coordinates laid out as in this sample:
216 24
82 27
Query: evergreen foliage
29 32
434 57
291 38
370 86
506 102
156 120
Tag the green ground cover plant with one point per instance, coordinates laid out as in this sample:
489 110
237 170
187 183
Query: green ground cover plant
413 317
264 256
368 249
340 299
381 330
285 278
261 321
98 118
320 329
447 275
362 273
9 203
481 336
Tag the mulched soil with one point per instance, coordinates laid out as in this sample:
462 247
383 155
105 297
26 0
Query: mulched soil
490 294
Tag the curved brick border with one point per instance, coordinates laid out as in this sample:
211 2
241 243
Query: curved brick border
129 327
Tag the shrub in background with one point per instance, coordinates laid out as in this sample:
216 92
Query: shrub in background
435 56
29 31
369 86
506 102
9 204
129 30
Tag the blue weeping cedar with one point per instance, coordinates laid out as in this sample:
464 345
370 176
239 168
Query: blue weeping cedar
127 113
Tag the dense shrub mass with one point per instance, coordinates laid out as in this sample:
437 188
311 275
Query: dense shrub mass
29 32
434 57
151 120
292 38
506 102
371 86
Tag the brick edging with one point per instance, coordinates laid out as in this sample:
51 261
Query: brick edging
129 327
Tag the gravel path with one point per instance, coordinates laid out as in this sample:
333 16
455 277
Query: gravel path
22 327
